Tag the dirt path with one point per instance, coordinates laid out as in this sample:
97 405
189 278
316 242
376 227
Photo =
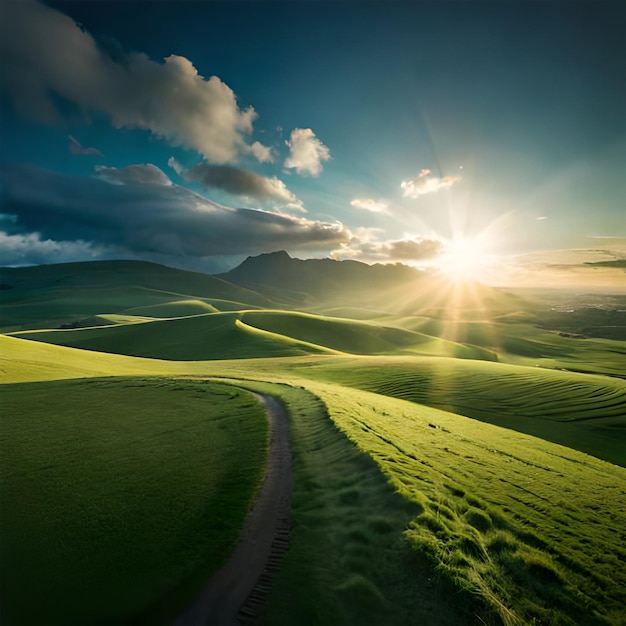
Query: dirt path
235 593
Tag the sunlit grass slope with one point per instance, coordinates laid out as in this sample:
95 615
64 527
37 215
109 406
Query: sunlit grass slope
251 334
119 493
358 337
535 530
519 342
528 528
549 349
212 336
175 308
28 361
584 412
348 562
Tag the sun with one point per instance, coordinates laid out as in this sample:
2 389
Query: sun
464 260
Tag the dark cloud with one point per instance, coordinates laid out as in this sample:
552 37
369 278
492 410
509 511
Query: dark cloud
148 219
45 53
240 182
140 174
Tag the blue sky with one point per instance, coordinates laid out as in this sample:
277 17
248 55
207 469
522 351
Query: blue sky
381 131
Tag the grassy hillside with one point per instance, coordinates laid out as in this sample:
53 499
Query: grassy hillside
175 308
533 530
29 361
357 337
348 561
249 334
516 341
47 296
120 493
508 528
587 413
202 337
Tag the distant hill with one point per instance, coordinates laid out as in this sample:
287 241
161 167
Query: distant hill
73 295
51 295
326 285
277 274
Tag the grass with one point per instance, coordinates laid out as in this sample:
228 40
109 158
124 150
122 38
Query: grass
516 341
357 337
201 337
587 413
248 334
534 530
348 562
117 494
176 308
502 527
49 296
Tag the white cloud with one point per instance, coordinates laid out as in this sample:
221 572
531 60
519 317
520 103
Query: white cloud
261 153
364 245
170 99
31 249
369 204
306 152
176 166
140 174
425 183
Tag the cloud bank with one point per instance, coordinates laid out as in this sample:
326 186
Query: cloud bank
141 174
306 152
425 183
142 218
364 245
30 249
240 182
44 53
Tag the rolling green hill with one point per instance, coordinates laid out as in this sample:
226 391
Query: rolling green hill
248 334
584 412
48 296
196 338
357 337
533 529
520 528
446 469
175 308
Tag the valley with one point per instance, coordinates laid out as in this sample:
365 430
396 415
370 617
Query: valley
458 456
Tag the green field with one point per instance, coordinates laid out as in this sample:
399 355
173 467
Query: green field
447 470
587 413
120 495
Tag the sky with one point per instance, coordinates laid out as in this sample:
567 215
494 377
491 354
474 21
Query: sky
486 139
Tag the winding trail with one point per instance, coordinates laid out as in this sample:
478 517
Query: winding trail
234 594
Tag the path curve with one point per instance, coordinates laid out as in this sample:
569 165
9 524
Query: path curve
235 593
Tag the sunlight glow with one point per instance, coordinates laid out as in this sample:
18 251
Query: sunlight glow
465 260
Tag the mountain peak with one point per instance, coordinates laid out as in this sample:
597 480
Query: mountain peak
279 254
300 281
